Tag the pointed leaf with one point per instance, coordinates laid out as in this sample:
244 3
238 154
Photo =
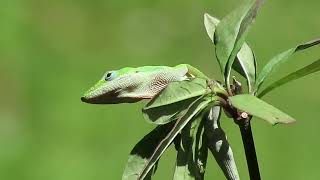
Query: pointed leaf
173 102
311 68
261 109
192 154
279 59
245 63
142 152
196 108
210 23
200 148
218 144
231 32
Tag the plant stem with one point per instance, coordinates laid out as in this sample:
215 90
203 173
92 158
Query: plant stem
250 150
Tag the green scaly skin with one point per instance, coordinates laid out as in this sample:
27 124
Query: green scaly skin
129 85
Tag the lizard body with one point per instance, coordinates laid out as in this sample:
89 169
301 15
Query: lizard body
128 85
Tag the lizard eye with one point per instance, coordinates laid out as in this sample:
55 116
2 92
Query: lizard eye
109 76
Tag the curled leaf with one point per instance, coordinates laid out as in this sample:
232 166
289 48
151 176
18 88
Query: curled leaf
192 152
210 23
245 63
231 32
218 144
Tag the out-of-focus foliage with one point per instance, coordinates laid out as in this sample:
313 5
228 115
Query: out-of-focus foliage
51 51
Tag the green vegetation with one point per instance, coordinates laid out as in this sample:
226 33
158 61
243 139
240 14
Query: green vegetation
49 49
187 98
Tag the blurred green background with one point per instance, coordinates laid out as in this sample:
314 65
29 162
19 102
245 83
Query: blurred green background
53 51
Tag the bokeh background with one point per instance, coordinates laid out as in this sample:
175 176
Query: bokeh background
53 51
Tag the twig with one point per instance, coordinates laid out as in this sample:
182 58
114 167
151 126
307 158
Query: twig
250 151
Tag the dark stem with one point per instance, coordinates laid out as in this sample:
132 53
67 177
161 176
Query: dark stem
250 150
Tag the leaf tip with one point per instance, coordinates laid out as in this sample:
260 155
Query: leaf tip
285 122
291 121
206 15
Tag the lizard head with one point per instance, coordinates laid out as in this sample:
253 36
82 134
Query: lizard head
110 89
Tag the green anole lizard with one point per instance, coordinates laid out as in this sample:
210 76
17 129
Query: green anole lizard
129 85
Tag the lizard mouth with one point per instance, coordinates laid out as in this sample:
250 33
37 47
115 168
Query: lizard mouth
108 98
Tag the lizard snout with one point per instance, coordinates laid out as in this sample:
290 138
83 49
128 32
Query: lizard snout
84 99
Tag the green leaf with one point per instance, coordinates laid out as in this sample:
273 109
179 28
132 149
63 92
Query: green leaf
173 102
210 23
218 144
167 113
245 63
195 109
200 148
193 152
178 91
231 32
311 68
142 152
261 109
278 60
